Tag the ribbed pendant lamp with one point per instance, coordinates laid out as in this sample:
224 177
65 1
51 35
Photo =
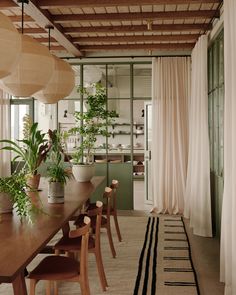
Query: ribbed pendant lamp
10 46
34 68
61 83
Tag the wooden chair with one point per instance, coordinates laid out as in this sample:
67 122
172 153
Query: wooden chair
114 185
74 245
60 268
105 223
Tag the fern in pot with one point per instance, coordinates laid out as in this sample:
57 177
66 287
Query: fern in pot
14 189
95 122
57 172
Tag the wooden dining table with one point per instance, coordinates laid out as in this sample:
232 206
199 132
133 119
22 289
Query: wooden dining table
21 240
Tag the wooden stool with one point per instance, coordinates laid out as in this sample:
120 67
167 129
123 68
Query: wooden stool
60 268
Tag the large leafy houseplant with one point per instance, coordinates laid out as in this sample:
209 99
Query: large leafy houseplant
95 121
31 150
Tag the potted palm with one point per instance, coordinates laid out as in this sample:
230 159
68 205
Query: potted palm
56 171
31 150
94 122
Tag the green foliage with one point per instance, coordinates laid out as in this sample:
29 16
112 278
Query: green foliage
95 121
32 150
15 186
56 170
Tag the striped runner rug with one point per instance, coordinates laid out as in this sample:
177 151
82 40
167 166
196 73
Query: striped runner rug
165 264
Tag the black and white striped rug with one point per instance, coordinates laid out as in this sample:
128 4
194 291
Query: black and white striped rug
165 264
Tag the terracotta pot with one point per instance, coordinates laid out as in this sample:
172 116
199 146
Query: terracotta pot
6 204
33 181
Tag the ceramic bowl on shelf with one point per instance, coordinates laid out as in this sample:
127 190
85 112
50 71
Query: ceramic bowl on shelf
115 161
139 131
100 161
135 163
115 145
125 146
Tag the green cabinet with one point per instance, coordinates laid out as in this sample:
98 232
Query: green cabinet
123 173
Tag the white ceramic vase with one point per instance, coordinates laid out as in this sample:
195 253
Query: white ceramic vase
55 192
83 172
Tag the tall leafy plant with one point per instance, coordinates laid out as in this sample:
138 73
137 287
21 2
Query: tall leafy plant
32 150
56 170
95 122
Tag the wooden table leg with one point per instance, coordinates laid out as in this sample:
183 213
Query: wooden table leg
19 285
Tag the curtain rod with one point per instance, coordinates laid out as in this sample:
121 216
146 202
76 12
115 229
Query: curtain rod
121 56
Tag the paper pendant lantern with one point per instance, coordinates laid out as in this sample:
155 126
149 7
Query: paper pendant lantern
33 71
10 46
60 85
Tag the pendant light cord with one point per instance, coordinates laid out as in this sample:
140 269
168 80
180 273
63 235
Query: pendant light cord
22 17
49 27
22 13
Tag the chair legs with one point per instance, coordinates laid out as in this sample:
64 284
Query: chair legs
84 286
113 251
117 227
32 286
100 269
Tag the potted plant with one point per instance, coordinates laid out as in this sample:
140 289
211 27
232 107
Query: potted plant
32 150
95 121
14 189
56 171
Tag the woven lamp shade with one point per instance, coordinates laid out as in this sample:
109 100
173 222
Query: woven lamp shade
10 46
60 85
32 72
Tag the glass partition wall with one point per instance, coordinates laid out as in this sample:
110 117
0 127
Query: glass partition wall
121 155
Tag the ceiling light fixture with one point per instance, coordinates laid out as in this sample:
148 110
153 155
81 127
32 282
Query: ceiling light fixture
61 82
34 68
10 46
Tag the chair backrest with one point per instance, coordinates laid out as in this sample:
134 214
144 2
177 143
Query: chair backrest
97 211
108 196
114 185
83 232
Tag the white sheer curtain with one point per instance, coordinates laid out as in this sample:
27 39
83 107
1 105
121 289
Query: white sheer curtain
228 224
170 92
4 133
198 195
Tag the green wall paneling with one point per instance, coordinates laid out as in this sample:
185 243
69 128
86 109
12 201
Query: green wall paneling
100 170
123 172
216 127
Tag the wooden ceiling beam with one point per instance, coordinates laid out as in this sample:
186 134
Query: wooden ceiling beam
143 38
32 31
57 48
163 46
45 40
7 4
163 15
49 4
139 28
43 18
17 18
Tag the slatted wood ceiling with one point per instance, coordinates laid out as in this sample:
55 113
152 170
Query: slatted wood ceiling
82 26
